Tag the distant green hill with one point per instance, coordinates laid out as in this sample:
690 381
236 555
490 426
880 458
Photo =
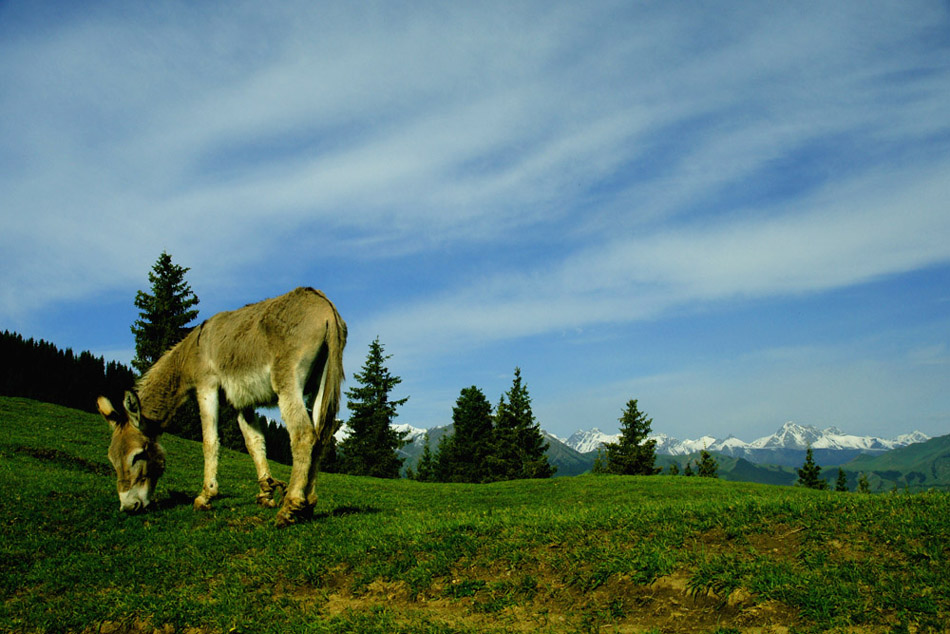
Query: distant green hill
923 465
569 462
735 469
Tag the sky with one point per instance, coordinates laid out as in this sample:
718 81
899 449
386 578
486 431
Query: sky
736 213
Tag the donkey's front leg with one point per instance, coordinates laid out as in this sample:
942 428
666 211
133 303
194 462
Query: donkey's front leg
208 405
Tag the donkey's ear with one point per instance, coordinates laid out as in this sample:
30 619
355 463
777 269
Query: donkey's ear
112 416
133 407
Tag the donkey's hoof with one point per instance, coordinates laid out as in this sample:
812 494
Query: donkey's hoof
270 485
292 512
202 503
267 500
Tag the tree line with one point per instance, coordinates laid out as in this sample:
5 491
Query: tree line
487 445
39 370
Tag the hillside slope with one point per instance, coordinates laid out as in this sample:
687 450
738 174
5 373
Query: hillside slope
558 555
919 466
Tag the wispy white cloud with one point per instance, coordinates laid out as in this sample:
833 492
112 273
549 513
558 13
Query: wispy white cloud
847 233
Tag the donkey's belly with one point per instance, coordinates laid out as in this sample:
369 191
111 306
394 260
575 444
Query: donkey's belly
249 389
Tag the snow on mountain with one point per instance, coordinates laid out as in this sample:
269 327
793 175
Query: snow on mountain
689 446
667 445
589 440
912 438
727 444
791 436
415 434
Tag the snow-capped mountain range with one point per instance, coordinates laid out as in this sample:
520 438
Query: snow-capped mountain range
786 447
790 436
414 434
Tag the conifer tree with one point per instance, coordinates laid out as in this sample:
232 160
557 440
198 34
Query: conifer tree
277 441
674 469
463 456
688 471
518 445
708 467
841 484
164 314
425 469
864 486
632 454
444 458
600 463
810 474
370 449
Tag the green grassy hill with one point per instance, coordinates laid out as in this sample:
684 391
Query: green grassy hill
735 469
919 466
585 554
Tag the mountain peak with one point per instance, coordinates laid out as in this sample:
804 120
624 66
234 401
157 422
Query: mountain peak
589 440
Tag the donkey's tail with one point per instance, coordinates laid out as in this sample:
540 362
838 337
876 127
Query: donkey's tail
332 379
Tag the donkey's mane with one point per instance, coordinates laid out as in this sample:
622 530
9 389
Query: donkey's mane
164 387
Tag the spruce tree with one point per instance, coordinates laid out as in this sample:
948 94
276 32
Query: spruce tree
164 314
600 463
165 317
370 449
632 454
518 444
810 474
425 469
674 469
708 467
864 486
463 457
841 484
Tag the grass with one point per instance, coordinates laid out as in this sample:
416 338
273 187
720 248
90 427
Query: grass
584 554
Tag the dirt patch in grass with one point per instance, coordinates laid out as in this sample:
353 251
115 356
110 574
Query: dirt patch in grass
142 626
780 541
619 605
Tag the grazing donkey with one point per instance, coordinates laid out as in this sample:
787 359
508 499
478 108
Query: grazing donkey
286 351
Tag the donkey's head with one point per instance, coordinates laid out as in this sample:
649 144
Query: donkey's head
138 459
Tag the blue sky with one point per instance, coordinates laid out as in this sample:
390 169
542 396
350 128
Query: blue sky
737 213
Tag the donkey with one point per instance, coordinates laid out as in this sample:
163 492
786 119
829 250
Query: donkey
287 351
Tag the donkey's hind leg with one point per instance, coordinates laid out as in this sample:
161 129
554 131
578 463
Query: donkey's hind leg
303 438
325 432
256 447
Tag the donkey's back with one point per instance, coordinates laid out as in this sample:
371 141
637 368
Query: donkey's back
256 352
